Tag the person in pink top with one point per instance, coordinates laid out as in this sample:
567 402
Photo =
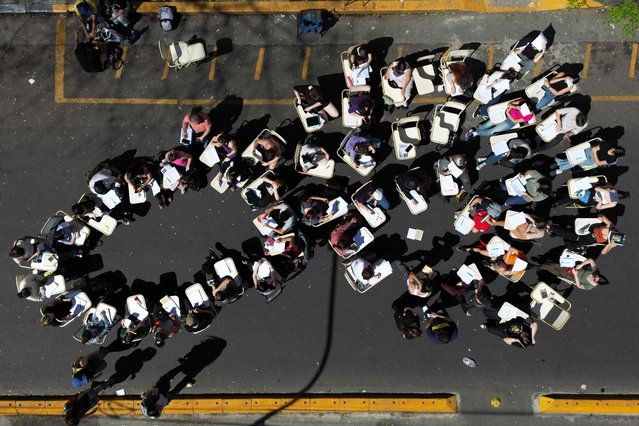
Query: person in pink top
196 125
181 160
517 111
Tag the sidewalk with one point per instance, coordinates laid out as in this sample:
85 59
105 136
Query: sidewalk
341 7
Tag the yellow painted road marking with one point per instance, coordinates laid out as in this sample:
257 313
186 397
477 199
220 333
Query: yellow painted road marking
589 405
538 67
60 39
260 61
584 73
339 6
118 72
183 405
307 58
633 61
165 73
213 61
400 50
491 56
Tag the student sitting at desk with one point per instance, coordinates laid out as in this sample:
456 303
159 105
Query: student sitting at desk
268 151
603 154
414 180
365 272
361 149
342 237
312 100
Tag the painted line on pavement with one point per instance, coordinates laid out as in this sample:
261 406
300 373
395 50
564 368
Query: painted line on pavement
165 71
260 61
633 61
589 404
341 7
118 72
584 72
60 40
491 56
181 405
537 69
213 62
307 58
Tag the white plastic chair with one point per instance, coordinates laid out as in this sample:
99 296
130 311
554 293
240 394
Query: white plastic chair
341 152
406 137
181 54
347 119
421 205
136 306
383 266
464 224
394 93
549 306
362 238
346 66
455 56
310 121
198 298
497 114
375 218
325 168
264 134
446 121
576 158
424 75
535 91
575 185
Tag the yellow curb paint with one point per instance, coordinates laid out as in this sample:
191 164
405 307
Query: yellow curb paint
400 50
491 57
165 71
60 39
118 72
609 405
633 61
354 8
584 72
237 405
260 61
213 61
307 58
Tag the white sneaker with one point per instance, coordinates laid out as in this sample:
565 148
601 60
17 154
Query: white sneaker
480 165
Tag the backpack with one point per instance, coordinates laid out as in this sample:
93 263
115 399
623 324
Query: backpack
166 18
89 57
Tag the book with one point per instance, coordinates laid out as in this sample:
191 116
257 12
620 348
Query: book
415 234
516 185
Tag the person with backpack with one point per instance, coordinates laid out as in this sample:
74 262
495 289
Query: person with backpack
83 404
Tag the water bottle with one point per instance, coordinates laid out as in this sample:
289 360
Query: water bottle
469 362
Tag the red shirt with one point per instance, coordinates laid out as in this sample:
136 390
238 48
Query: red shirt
479 225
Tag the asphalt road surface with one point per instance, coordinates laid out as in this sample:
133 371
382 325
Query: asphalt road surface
319 335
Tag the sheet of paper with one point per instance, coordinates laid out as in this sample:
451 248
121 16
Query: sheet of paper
520 265
576 156
516 185
483 94
111 198
464 225
415 234
567 260
513 220
210 156
511 61
581 184
497 115
454 170
500 147
548 131
466 274
496 249
417 196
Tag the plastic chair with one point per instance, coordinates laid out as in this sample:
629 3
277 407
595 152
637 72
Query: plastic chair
198 298
310 121
452 57
341 152
575 185
575 156
464 224
364 236
424 75
346 66
406 136
421 205
497 114
264 134
549 306
55 285
394 93
325 168
446 121
535 91
375 218
382 265
226 268
181 54
520 256
347 119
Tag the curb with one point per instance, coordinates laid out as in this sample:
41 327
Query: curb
212 404
375 7
589 404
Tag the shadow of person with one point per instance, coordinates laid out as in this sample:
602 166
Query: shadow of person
198 358
225 113
129 365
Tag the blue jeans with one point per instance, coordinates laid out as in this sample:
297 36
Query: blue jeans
488 128
494 158
546 99
383 203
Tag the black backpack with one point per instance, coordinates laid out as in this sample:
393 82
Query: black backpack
89 58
